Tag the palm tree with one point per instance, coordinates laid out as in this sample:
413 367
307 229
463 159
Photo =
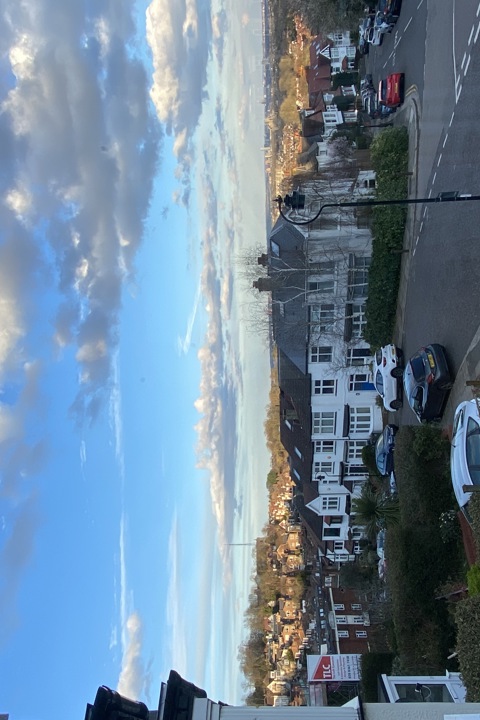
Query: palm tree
375 511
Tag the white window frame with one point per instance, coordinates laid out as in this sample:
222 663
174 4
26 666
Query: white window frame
330 503
360 419
354 450
325 387
358 356
321 354
361 634
324 422
324 447
343 633
356 381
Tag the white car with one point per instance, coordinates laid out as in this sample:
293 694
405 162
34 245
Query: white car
465 452
387 375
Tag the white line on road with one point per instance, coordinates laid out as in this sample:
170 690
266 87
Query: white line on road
468 63
419 5
439 159
457 96
408 23
457 81
434 178
445 140
463 60
429 194
451 119
476 34
471 35
478 10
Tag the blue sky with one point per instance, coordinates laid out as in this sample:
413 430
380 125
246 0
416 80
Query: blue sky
132 398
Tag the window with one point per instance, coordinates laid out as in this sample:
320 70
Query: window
358 356
358 320
321 286
325 387
323 316
324 422
298 453
341 619
320 354
324 446
338 546
297 475
343 634
288 424
324 267
356 548
324 467
354 469
359 381
356 606
360 420
330 503
330 532
360 633
336 520
354 449
358 276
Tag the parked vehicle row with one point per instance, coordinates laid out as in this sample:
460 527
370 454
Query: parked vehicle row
376 23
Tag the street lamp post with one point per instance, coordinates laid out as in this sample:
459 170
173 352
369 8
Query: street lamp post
297 202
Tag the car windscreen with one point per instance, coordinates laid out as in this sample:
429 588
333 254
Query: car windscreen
418 368
472 450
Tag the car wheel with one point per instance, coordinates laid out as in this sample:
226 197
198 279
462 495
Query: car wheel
397 372
396 404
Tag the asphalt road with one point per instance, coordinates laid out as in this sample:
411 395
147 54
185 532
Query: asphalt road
437 45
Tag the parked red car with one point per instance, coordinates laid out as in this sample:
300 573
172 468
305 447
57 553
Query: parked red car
391 91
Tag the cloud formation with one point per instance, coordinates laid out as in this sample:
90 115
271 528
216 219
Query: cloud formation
79 148
179 34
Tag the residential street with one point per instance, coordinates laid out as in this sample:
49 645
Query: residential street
438 49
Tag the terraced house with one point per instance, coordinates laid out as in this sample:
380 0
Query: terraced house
318 279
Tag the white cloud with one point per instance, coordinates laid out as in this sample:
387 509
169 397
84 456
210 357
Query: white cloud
132 675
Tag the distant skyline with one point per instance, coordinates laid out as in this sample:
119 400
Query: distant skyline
132 397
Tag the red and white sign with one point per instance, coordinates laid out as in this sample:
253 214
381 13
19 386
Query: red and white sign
333 668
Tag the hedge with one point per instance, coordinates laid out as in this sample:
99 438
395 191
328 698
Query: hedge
389 154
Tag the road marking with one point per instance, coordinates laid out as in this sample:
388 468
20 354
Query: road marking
434 178
430 194
478 10
457 81
463 60
439 159
468 63
476 34
419 5
451 119
408 23
471 35
457 96
445 140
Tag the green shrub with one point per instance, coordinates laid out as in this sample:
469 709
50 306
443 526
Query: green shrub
473 580
371 666
389 154
474 511
467 617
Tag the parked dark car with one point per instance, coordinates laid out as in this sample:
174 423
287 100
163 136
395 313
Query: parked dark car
390 8
384 450
427 382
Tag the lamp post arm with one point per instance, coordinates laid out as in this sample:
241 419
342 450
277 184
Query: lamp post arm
440 198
